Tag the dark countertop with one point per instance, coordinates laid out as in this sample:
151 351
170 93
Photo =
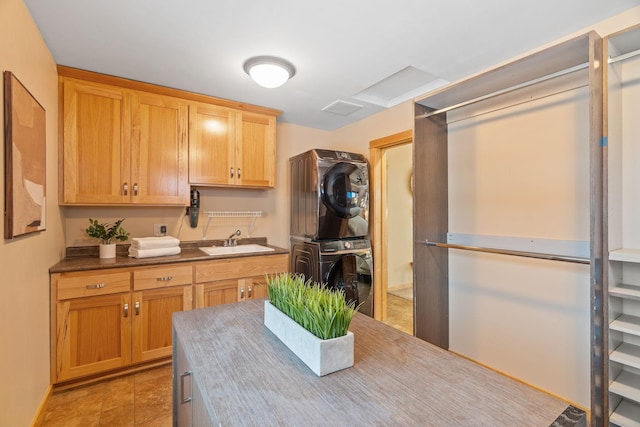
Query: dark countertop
86 257
246 376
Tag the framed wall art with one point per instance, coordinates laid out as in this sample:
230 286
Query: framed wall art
24 160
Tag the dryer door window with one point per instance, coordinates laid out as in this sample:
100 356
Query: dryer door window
345 190
352 274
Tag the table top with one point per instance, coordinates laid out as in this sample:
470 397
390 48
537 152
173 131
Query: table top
248 377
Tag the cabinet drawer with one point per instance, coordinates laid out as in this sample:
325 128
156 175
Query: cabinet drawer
162 277
86 285
236 268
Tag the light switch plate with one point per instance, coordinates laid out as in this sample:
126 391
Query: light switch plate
159 230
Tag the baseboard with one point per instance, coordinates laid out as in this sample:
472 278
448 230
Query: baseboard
38 419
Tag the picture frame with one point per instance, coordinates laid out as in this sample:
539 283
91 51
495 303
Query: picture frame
24 160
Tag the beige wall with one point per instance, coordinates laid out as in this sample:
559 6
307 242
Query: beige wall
25 261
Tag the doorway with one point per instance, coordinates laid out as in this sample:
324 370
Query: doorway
392 231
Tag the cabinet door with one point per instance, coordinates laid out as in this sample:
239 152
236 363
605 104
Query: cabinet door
96 137
152 311
255 150
216 293
211 145
252 288
93 335
159 152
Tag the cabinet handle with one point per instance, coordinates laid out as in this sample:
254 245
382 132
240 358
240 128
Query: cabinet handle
164 279
238 172
137 307
249 292
126 310
231 172
135 189
241 293
125 189
182 398
96 286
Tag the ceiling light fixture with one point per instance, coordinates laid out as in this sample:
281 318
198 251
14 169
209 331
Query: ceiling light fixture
269 71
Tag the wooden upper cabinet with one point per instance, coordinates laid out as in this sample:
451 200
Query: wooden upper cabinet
127 142
211 145
231 148
96 136
255 150
123 147
159 163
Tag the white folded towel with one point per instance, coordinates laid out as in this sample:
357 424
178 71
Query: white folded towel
148 253
154 242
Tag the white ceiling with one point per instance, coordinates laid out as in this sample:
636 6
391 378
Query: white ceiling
342 49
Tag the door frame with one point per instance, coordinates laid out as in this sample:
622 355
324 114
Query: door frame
377 218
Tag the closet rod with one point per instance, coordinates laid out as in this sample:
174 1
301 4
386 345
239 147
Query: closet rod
509 252
509 89
625 56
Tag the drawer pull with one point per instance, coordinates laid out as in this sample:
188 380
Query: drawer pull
239 176
182 398
164 279
137 307
241 293
125 189
126 310
96 286
249 292
135 189
231 173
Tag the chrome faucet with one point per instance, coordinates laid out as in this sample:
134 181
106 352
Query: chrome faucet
231 241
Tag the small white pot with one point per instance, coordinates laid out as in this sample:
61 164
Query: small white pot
322 356
108 251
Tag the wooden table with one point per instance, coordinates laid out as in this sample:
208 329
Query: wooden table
242 375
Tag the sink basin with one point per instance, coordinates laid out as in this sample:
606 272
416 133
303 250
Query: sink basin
229 250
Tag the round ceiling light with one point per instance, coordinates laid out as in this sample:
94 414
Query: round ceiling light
269 71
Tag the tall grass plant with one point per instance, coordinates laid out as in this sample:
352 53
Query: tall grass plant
322 311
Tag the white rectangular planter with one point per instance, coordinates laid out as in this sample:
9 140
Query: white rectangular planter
322 356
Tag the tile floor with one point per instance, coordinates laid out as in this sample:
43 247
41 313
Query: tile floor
140 399
400 313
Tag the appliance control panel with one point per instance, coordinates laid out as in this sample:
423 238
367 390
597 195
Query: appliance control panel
344 245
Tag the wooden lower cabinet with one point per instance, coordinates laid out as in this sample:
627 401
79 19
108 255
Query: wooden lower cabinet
103 321
252 288
152 320
240 279
216 293
93 335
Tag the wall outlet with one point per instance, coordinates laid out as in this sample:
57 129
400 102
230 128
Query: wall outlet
159 230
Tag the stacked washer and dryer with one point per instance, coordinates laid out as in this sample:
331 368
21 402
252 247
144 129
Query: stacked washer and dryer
329 222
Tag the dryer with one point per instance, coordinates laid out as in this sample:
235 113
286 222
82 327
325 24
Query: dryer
329 195
340 264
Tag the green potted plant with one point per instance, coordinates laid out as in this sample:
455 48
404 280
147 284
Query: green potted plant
312 320
106 233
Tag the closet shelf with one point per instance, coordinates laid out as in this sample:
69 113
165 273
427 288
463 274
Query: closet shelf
626 414
627 385
626 255
626 354
626 323
625 291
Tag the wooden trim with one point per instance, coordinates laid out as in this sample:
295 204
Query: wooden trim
39 417
392 140
377 219
76 73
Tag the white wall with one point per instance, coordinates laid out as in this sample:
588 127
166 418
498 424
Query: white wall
25 261
399 211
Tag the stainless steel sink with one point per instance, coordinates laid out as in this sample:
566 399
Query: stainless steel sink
229 250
